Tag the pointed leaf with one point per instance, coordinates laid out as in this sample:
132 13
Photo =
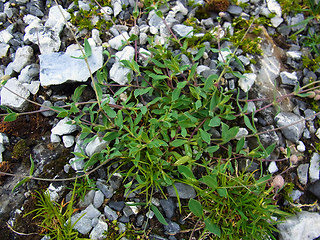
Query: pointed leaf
212 227
77 93
205 136
195 207
158 214
11 117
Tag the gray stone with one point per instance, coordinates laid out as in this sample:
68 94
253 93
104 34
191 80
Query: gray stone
29 73
115 181
83 225
168 207
274 7
63 128
105 189
56 19
245 61
295 22
44 106
118 72
33 87
5 36
117 7
295 55
88 199
185 191
95 146
4 49
55 138
122 227
98 231
302 171
172 228
309 114
243 132
155 21
290 79
247 81
276 21
118 206
130 210
110 214
98 199
293 132
304 225
77 164
16 97
314 188
91 212
179 7
140 220
22 58
314 167
58 68
295 195
183 31
118 41
68 140
55 192
235 10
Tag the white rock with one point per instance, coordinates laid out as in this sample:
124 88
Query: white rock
55 192
68 140
183 30
33 87
5 36
83 225
4 49
29 73
272 168
247 81
54 138
318 133
98 231
302 171
118 72
274 7
63 128
314 167
224 54
202 68
22 58
243 132
98 199
118 41
117 7
57 17
4 138
96 37
97 145
58 68
180 8
91 212
276 21
77 164
295 55
304 225
9 99
301 147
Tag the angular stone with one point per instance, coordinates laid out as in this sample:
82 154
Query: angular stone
110 214
276 21
119 40
118 206
98 199
290 79
302 171
105 189
83 225
314 188
293 132
63 128
172 228
29 73
15 98
185 191
168 207
91 212
98 231
57 17
274 7
58 68
118 72
97 145
4 49
304 225
247 81
22 58
314 168
183 30
5 36
68 140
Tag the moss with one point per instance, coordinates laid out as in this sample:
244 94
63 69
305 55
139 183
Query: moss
218 5
21 150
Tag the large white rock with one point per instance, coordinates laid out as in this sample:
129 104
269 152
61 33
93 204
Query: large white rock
22 58
119 40
304 225
57 17
118 72
16 98
247 81
58 68
274 7
63 128
97 145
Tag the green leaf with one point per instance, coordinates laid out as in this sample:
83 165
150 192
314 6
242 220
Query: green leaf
159 14
157 63
119 120
199 54
32 166
109 136
210 181
141 91
96 157
195 207
222 192
121 90
158 214
270 148
143 110
11 117
248 124
212 149
215 122
183 160
198 104
181 85
63 114
109 111
87 48
178 142
240 145
185 171
20 183
176 94
205 136
212 227
157 77
77 93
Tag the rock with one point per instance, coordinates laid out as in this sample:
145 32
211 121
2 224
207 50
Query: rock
110 214
98 199
168 207
294 55
234 10
302 171
295 195
58 68
35 8
290 79
293 132
185 191
98 231
172 228
309 114
4 49
55 192
314 167
247 81
5 36
96 37
118 206
118 41
115 181
22 58
117 7
63 128
295 22
95 146
183 31
155 21
55 138
29 73
243 132
91 212
105 189
118 72
57 17
47 113
274 7
88 199
304 225
272 168
130 210
68 140
179 7
318 133
16 97
83 225
301 147
139 221
314 188
276 21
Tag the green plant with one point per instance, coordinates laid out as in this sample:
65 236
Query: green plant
56 218
233 204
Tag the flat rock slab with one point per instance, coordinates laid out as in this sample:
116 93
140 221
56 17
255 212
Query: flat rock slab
59 68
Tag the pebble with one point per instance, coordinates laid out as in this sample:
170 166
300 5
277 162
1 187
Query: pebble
273 167
172 228
110 214
301 147
63 128
185 191
168 207
302 171
314 167
98 199
247 81
99 230
68 141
